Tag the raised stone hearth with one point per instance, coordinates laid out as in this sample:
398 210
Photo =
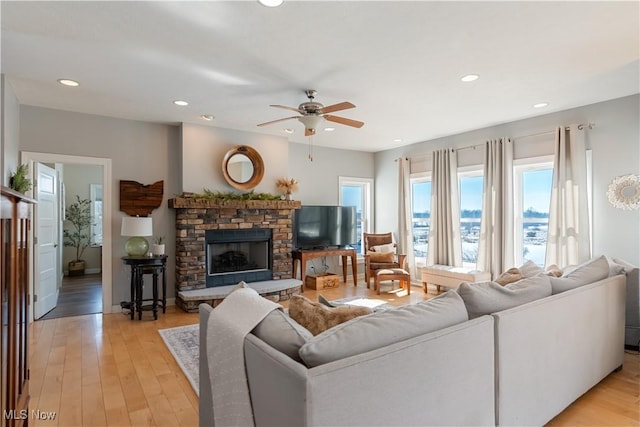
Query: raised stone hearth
274 290
194 216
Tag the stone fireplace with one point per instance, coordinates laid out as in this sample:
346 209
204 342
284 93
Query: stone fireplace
213 235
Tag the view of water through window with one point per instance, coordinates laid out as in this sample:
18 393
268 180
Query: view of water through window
536 197
470 216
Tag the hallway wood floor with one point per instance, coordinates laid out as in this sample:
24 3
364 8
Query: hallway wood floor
96 370
78 295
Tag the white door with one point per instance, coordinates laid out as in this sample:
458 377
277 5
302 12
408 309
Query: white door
46 241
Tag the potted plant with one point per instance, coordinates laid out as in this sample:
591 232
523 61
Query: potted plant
20 179
158 246
78 216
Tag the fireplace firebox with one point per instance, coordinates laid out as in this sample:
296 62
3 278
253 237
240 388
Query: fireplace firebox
235 255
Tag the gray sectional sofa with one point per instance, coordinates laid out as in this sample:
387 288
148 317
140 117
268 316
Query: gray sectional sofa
518 366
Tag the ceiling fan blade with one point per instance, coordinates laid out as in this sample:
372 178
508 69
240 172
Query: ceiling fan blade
279 120
287 108
344 121
337 107
309 132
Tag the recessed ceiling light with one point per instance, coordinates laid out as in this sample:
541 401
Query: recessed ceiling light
271 3
540 105
68 82
289 130
181 103
329 129
470 77
397 140
207 117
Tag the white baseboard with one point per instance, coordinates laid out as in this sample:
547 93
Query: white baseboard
118 309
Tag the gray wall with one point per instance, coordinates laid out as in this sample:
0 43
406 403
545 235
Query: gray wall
143 152
615 142
10 136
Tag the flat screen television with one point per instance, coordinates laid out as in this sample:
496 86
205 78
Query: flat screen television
317 227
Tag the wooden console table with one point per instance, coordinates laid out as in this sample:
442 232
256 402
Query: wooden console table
301 256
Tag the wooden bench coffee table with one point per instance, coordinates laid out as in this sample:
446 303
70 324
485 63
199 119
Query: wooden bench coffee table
451 277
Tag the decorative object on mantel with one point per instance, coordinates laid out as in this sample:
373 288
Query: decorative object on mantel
78 215
287 186
624 192
135 228
20 179
230 195
140 199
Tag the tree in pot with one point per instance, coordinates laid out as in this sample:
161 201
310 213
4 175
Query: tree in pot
78 216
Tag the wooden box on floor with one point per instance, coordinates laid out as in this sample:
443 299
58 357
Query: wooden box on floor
322 281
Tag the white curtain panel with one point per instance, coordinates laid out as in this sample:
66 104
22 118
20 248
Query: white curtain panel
568 240
445 247
405 215
495 248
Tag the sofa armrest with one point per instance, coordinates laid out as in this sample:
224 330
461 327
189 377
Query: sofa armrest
205 402
560 347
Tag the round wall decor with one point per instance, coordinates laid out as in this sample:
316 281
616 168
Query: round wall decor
624 192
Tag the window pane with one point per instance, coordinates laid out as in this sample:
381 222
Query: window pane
470 214
353 195
536 196
421 198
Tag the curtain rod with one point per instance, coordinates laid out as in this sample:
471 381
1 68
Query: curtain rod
581 126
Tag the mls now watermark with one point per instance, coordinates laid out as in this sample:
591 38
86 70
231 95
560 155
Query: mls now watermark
23 414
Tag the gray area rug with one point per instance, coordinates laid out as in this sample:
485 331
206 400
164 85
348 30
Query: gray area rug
184 343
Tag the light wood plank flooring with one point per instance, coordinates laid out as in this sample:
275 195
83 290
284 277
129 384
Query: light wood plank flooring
97 370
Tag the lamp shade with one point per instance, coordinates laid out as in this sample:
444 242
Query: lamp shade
136 226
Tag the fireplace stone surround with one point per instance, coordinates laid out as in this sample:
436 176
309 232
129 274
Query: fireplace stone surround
194 216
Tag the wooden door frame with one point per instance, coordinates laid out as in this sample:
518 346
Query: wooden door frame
107 275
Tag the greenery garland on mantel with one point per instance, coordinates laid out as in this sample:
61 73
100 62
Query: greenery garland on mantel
230 195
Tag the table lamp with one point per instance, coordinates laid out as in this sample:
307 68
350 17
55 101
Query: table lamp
135 227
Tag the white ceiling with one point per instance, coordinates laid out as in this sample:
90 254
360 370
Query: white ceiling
400 63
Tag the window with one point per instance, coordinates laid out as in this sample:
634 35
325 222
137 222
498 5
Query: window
358 192
532 194
421 216
471 182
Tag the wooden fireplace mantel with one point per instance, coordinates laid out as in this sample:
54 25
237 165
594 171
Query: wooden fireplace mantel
196 203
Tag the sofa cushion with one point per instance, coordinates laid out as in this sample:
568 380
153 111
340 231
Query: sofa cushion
591 271
317 317
389 247
383 328
282 333
489 297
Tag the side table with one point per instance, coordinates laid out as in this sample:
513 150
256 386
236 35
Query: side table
141 265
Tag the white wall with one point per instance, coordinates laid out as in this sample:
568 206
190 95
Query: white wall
77 179
143 152
10 136
616 151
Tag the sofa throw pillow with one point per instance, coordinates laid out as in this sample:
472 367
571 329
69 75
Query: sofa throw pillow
489 297
553 270
380 256
384 328
530 269
591 271
511 275
282 333
317 317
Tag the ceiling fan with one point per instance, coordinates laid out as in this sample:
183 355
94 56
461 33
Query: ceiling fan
313 113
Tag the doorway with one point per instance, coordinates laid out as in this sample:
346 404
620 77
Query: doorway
104 254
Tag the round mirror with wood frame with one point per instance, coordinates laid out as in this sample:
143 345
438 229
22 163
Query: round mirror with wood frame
243 167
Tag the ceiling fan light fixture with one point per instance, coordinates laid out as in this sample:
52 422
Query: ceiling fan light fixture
311 121
271 3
